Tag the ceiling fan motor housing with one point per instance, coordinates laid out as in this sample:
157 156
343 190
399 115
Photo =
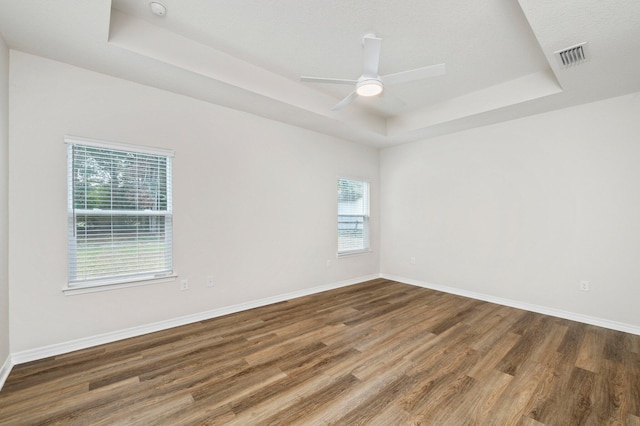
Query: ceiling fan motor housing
369 86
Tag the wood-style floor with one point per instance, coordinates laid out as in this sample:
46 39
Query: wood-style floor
380 353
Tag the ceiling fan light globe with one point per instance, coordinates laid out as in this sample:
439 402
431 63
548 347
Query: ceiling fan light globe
369 88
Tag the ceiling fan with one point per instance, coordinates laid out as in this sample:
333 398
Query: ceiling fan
370 83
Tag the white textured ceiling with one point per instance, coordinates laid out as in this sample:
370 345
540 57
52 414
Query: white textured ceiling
249 54
295 38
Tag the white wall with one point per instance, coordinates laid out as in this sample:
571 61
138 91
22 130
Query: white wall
523 210
4 223
254 202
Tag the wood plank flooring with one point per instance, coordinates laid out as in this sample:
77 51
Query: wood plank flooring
380 353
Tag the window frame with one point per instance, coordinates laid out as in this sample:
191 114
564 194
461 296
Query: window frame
366 219
107 282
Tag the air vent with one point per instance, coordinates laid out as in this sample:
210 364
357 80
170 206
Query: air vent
573 55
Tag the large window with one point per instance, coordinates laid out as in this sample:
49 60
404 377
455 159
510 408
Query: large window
353 216
120 213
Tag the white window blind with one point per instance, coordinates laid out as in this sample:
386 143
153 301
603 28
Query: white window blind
120 213
353 216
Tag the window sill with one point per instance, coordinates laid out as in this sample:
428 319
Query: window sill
69 291
354 253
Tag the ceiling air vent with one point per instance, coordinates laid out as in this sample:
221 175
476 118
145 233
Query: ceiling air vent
573 55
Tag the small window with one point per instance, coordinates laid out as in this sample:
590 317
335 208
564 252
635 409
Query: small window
353 216
120 213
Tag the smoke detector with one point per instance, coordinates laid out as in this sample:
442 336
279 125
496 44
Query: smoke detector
158 8
573 55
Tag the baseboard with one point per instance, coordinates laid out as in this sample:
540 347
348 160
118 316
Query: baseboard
66 347
5 370
600 322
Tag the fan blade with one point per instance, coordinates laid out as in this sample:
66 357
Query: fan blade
346 101
327 80
371 55
415 74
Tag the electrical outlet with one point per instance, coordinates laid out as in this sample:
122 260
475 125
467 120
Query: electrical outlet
412 260
328 263
184 285
584 285
209 281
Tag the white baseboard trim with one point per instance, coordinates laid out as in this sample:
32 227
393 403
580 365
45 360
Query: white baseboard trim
66 347
600 322
74 345
5 370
